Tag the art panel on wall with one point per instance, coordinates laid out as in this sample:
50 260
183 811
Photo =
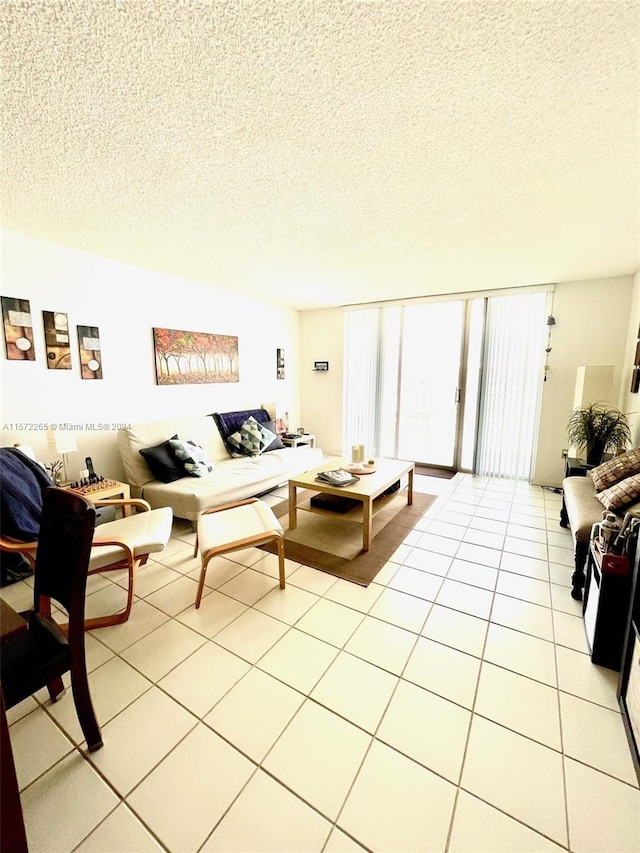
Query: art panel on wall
90 355
56 340
191 358
280 364
18 329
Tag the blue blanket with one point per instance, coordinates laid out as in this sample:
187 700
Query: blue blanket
22 483
230 422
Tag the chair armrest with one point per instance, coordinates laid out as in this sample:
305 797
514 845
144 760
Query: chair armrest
120 543
8 544
137 502
229 506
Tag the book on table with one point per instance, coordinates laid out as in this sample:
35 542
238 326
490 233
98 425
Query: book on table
337 477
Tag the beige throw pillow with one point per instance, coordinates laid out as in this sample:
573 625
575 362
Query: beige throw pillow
621 494
616 469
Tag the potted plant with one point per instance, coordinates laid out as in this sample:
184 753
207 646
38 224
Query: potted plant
597 428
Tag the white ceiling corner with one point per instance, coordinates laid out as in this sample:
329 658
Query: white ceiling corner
322 152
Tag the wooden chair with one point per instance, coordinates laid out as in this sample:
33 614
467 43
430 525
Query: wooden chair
234 526
125 543
40 655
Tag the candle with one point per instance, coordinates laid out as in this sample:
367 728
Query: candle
357 453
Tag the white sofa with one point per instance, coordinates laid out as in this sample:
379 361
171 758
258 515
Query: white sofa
232 478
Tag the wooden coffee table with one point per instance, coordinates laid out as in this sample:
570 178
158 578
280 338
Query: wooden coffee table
365 490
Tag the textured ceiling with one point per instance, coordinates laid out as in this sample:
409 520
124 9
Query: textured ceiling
321 152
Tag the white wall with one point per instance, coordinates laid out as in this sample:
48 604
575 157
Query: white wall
593 326
321 335
126 302
592 319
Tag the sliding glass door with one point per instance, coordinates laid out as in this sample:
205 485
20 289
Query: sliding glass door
429 391
452 384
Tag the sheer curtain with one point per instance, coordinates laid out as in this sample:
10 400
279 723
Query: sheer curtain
512 379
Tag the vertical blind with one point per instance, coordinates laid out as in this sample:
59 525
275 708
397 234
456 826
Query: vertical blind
511 386
361 379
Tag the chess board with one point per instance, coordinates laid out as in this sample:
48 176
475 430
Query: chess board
94 487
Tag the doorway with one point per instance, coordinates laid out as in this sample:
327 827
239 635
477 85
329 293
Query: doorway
429 387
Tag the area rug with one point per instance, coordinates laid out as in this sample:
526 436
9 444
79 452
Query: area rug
334 544
435 472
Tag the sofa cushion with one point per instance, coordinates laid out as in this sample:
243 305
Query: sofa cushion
621 494
252 438
616 469
229 423
192 457
162 462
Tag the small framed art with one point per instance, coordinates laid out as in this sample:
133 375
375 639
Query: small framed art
90 354
18 329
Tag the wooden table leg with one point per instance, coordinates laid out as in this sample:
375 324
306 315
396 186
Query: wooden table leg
366 523
410 488
293 510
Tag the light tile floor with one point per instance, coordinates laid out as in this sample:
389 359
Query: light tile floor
451 706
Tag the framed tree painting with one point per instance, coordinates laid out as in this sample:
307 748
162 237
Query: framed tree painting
279 364
18 329
190 358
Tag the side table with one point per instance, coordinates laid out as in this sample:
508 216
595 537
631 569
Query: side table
574 467
307 438
103 491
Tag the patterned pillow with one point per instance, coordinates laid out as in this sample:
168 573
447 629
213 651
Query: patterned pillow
252 438
616 469
192 457
621 494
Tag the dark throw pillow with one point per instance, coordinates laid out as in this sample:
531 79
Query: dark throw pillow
162 462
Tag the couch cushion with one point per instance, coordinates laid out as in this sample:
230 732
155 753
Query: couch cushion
614 470
621 494
192 457
230 423
162 462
